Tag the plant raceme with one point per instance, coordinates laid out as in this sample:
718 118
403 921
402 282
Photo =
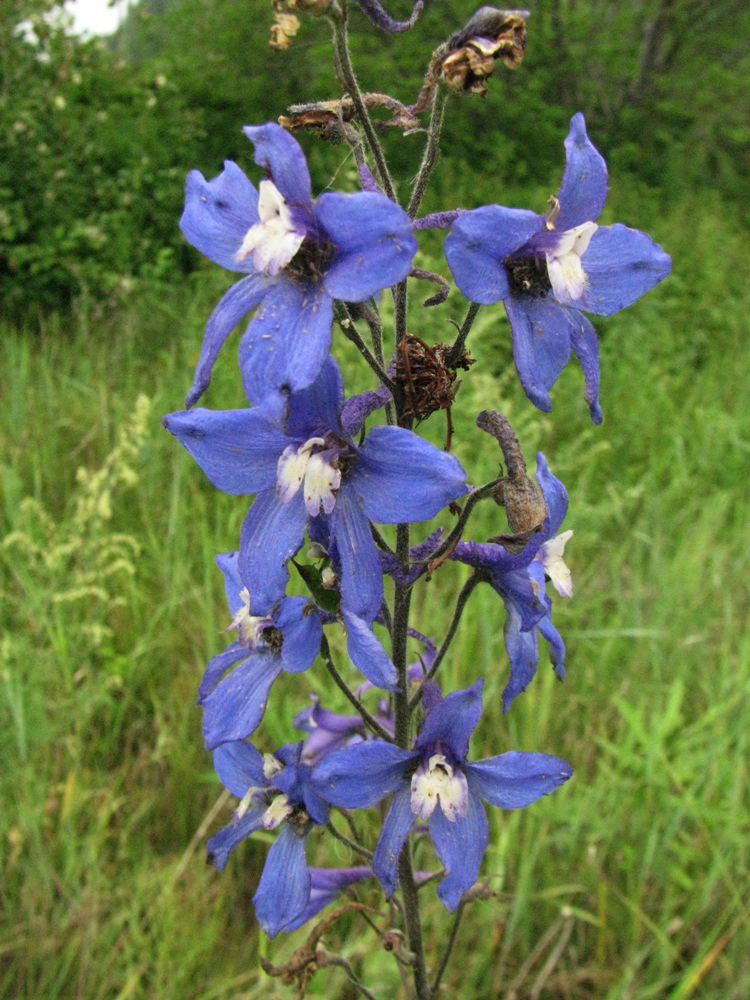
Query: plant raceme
324 477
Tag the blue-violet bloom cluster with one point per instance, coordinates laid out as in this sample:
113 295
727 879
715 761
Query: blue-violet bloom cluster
274 790
546 270
436 784
302 463
297 255
520 581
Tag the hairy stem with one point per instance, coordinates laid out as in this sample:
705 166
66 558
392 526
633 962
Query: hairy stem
431 154
349 80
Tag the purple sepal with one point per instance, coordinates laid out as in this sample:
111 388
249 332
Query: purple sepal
398 822
359 776
514 780
452 721
460 846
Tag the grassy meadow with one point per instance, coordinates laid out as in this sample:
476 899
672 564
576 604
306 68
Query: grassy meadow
630 883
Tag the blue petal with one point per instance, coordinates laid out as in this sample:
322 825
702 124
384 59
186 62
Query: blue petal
239 767
228 563
281 156
221 846
453 720
314 411
523 652
585 343
358 408
271 534
393 836
477 245
325 885
374 243
555 497
584 186
361 775
460 847
234 306
287 340
494 558
399 478
621 265
284 888
218 213
237 449
302 634
541 331
556 646
217 667
317 808
234 709
514 780
368 654
361 576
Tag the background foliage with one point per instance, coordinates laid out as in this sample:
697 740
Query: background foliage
629 884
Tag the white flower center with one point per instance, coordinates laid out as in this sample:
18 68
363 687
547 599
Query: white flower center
274 240
271 766
249 626
320 475
434 782
564 266
276 813
554 565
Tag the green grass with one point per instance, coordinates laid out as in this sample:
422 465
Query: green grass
629 883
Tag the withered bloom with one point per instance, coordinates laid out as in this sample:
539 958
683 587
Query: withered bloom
490 35
284 28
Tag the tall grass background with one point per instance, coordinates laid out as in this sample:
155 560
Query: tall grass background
629 883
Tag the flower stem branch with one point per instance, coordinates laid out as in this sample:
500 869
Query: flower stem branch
431 153
342 963
458 611
343 318
448 949
457 349
357 848
413 922
445 548
325 652
349 81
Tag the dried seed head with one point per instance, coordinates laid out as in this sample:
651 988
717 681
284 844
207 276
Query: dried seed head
284 28
490 35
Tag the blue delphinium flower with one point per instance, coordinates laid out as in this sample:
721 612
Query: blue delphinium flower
304 467
520 579
545 270
297 255
235 687
274 790
435 783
